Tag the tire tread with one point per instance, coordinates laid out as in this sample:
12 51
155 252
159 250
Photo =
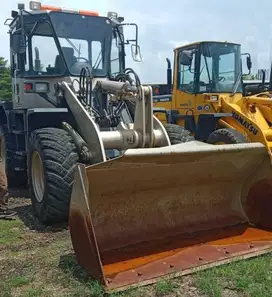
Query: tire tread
178 134
59 156
227 135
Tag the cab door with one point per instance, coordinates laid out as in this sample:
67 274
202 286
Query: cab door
185 85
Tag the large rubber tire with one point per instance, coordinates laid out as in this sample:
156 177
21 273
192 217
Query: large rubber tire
52 158
226 136
178 134
16 179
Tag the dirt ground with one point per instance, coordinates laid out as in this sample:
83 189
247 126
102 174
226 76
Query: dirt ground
38 261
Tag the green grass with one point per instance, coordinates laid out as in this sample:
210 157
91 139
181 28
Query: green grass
36 292
164 287
209 284
11 284
41 264
18 281
251 278
10 231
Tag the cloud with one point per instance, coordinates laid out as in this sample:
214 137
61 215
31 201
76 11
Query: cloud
165 25
177 43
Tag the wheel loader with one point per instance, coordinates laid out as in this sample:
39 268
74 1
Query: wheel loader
81 130
210 100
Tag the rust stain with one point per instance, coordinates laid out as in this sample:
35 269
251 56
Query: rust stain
258 204
84 245
251 234
186 262
174 245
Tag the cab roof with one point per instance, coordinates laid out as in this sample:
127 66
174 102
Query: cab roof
200 42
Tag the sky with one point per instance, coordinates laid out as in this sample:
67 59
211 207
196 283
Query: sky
164 25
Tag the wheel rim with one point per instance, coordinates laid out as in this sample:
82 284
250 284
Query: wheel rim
37 176
3 151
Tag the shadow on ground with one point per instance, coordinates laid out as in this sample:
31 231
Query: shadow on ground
70 267
68 264
19 202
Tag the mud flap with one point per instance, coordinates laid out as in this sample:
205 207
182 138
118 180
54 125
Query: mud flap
171 211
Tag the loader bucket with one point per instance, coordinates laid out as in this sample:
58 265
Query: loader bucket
171 211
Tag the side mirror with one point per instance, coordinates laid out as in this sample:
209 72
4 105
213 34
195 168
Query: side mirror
17 42
186 57
249 63
136 53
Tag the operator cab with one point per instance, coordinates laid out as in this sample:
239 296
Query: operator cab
49 43
59 43
56 47
210 67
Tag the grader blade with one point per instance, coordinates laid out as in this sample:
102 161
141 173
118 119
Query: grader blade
171 211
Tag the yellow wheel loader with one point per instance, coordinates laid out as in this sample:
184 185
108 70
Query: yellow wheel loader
208 97
141 204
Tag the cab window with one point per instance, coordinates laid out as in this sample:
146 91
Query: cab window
43 58
186 76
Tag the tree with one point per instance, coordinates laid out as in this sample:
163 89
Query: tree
249 76
5 80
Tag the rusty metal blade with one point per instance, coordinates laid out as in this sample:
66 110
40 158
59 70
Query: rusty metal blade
165 211
81 226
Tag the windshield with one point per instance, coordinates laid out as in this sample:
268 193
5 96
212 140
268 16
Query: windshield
84 40
220 67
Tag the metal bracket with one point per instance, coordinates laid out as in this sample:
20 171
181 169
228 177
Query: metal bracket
143 120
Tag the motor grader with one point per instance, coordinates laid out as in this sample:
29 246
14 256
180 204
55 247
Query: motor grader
81 129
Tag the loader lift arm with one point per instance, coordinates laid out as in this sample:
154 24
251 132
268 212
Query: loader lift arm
146 131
